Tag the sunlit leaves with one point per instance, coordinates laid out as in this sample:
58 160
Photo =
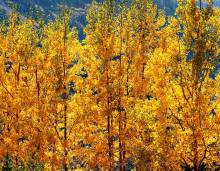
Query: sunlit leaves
137 91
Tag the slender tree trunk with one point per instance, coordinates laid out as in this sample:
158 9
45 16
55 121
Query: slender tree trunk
38 107
109 122
121 120
120 142
65 90
124 147
17 116
65 119
65 138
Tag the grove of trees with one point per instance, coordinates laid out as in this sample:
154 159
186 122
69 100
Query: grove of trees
140 92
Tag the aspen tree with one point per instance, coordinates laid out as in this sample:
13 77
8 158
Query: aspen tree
141 32
16 79
100 35
187 90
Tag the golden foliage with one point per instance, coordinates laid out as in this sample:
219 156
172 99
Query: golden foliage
139 88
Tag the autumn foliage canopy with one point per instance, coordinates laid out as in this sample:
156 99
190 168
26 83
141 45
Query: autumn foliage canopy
141 91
